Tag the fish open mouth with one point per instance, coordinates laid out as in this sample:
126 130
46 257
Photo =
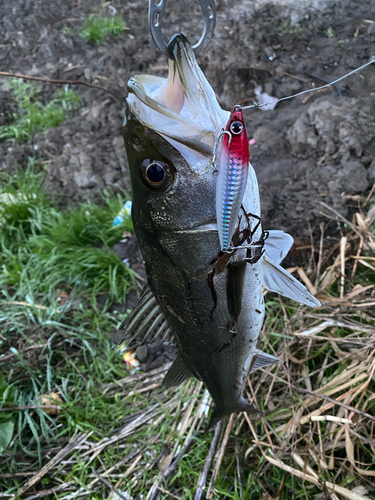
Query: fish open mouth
182 108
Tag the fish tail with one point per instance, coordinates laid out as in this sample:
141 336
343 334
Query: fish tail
240 406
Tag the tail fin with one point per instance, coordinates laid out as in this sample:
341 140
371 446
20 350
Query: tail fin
239 406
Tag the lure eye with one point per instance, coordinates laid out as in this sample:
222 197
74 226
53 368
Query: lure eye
236 127
156 175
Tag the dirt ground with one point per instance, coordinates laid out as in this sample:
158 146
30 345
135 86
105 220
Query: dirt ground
310 149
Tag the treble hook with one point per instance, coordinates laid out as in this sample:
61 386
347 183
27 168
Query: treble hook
214 153
155 17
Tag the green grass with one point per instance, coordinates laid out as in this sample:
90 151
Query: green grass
47 346
97 28
42 248
32 116
44 252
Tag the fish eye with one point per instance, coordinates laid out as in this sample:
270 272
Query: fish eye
236 127
156 175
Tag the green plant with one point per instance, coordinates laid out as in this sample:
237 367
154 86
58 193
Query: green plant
290 28
6 418
97 28
132 427
32 116
330 33
42 247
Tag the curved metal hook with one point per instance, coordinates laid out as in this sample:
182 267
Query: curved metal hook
214 153
155 17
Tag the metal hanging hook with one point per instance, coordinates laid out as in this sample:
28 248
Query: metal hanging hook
155 17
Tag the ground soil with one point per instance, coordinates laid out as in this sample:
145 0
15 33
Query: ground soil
310 149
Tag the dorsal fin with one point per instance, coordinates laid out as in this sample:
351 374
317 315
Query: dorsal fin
146 322
177 373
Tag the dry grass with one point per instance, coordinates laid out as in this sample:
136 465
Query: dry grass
316 439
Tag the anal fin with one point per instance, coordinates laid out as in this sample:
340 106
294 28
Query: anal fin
262 359
177 373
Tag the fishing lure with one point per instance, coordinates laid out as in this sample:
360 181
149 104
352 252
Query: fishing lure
233 166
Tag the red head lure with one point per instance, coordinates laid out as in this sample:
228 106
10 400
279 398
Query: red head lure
233 166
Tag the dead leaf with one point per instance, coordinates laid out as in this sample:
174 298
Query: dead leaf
49 400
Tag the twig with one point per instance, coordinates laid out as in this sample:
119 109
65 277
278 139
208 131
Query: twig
320 255
210 456
4 357
334 401
52 491
238 469
292 76
32 407
330 418
343 219
220 457
168 493
26 304
338 90
332 488
358 255
107 483
370 195
136 377
62 82
53 462
170 471
343 243
125 431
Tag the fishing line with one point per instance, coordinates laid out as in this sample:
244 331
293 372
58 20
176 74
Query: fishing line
312 90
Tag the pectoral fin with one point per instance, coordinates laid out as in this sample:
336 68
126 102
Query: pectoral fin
262 359
146 322
177 373
277 245
278 280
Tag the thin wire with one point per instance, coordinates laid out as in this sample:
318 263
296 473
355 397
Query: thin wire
311 90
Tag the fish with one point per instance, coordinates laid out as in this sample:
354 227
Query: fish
208 303
232 176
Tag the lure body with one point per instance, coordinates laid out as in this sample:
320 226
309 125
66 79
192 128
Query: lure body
233 168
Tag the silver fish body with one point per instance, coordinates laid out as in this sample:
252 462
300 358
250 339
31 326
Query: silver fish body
179 240
213 316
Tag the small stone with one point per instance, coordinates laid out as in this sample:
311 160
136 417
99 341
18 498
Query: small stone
87 74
